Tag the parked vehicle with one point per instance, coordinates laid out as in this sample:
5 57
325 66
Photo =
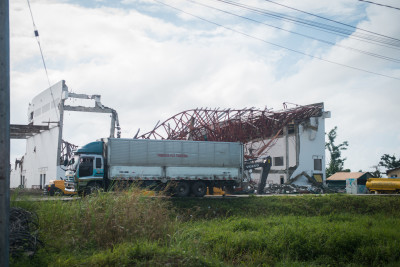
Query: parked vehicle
57 188
190 167
383 185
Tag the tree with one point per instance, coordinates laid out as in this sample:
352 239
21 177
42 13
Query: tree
389 162
377 173
336 162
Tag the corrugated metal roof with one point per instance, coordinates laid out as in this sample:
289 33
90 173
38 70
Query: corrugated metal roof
342 176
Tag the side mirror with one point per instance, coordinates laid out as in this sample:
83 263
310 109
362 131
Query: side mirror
65 162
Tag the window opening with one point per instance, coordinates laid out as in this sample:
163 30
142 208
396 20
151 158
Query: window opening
318 164
98 163
278 161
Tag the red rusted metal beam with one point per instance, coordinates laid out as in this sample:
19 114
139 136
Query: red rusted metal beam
233 125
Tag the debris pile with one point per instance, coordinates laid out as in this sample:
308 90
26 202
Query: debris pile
292 189
23 232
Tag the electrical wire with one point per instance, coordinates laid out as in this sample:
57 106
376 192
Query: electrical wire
36 32
303 35
331 20
370 2
375 38
277 45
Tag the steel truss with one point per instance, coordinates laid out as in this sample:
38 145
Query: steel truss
67 150
247 125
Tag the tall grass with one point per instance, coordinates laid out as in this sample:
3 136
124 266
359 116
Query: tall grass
138 254
103 220
337 240
128 229
309 205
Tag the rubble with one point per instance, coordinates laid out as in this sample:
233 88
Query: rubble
293 189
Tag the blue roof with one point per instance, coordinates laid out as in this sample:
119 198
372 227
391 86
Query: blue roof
91 148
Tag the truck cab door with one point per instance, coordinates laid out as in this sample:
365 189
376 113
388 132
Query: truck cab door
99 167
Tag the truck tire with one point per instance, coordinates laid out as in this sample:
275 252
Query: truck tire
92 188
199 189
229 189
182 189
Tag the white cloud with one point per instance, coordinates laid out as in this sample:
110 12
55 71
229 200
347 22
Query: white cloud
150 67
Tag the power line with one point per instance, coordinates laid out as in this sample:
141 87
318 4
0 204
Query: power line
379 4
277 45
36 32
321 17
319 26
303 35
373 37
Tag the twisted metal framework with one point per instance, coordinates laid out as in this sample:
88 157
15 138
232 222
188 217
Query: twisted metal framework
233 125
67 150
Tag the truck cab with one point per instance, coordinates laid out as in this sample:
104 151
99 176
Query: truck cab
86 168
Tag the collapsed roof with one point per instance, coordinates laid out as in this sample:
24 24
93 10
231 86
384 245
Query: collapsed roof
233 125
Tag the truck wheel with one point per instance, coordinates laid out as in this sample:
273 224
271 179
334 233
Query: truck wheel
93 187
182 189
199 189
229 189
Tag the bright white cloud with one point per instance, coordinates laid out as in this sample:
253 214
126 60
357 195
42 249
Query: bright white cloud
149 63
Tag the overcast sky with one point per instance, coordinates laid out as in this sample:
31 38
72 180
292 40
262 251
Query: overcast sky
150 61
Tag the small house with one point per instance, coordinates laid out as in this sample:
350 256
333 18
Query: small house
338 180
393 173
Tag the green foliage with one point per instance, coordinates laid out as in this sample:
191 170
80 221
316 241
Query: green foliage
312 205
127 229
333 239
389 162
102 220
336 161
144 253
137 254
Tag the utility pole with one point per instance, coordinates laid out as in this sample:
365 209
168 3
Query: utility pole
4 132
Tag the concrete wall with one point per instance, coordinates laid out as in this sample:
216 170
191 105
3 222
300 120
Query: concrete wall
41 160
311 146
277 150
45 106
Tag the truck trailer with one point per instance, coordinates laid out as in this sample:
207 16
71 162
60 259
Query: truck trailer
190 166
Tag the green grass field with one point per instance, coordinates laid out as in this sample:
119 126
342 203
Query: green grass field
128 229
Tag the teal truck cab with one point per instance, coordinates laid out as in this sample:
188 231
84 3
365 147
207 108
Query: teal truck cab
86 169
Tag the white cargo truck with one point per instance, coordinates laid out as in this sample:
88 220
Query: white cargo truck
192 166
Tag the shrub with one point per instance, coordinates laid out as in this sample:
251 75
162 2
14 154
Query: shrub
104 220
